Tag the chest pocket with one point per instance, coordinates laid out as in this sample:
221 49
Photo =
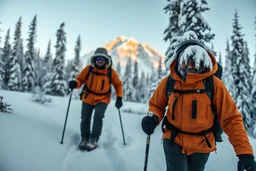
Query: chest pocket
98 83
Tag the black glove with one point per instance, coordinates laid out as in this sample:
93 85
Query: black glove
246 162
72 84
149 123
119 102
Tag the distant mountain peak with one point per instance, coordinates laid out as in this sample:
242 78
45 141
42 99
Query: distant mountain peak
122 48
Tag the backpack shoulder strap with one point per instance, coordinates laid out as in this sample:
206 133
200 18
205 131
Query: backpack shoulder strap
169 86
209 87
89 72
109 74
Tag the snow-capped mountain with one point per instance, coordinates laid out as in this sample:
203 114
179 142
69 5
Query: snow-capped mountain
122 48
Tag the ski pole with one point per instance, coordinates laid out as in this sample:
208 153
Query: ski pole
147 147
146 153
64 128
121 126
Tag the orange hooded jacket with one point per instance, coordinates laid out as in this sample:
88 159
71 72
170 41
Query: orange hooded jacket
230 119
99 84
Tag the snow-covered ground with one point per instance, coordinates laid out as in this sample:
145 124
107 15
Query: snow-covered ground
30 140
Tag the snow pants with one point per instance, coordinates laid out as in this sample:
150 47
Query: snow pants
85 125
176 161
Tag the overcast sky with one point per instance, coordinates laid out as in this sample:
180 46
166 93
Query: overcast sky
99 21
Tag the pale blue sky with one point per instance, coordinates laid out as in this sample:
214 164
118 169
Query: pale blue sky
99 21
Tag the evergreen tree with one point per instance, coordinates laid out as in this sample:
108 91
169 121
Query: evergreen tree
47 70
39 69
58 83
15 71
246 57
76 62
148 79
153 82
143 88
254 68
227 74
0 37
1 73
240 75
172 33
253 92
21 60
160 70
1 65
28 81
135 83
193 24
118 68
6 55
213 50
220 59
75 69
127 82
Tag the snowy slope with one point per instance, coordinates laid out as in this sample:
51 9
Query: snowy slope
30 140
121 48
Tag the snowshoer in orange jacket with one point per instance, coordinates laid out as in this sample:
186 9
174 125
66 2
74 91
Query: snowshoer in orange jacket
189 125
97 79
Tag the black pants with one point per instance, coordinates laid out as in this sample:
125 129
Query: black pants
85 125
176 161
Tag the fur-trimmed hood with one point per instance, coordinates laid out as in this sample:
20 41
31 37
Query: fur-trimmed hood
101 52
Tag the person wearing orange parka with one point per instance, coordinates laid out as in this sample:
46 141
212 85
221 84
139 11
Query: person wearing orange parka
188 125
97 78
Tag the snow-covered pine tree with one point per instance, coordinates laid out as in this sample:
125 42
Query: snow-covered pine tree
21 60
253 92
76 67
242 94
148 78
143 88
15 71
213 50
220 59
135 83
153 82
160 69
0 37
1 73
6 55
47 70
227 74
1 65
39 69
118 69
193 24
246 56
58 83
172 33
127 82
28 81
68 69
76 62
156 77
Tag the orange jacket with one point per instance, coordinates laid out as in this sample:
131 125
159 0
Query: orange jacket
99 84
230 119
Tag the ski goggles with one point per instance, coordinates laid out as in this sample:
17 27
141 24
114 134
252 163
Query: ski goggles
100 58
